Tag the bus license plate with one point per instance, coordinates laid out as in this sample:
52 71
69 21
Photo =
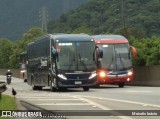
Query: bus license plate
78 82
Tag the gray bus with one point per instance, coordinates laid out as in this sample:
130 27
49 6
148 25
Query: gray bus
62 61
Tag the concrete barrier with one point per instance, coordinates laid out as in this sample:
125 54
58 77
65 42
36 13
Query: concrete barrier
147 76
15 72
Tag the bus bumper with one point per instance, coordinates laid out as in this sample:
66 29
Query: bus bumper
115 80
70 83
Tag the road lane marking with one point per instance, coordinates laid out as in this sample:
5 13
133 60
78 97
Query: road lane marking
125 101
101 107
136 91
58 99
63 104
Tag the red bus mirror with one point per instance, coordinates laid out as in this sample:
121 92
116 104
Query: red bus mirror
134 51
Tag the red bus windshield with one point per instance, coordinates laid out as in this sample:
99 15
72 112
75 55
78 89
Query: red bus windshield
116 56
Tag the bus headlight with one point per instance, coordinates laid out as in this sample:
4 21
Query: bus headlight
62 76
102 74
23 71
93 75
130 73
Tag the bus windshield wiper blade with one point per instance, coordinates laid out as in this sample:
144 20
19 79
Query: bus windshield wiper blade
109 66
73 60
84 65
121 61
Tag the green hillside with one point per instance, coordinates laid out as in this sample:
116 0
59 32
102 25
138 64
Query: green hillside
17 16
141 24
140 18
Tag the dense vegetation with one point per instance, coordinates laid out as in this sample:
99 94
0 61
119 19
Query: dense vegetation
138 18
98 17
148 49
17 16
10 50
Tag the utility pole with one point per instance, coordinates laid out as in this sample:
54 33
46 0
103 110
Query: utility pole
121 11
43 18
65 6
122 15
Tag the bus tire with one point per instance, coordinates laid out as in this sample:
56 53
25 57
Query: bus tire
52 87
25 80
39 87
97 85
86 88
121 85
34 87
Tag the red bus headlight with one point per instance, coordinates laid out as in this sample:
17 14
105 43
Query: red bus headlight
102 74
130 73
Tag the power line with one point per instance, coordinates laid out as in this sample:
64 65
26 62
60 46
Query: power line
44 18
122 14
65 6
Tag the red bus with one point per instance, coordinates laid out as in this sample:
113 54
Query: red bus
116 65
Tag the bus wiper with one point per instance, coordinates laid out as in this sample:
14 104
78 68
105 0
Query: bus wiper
73 60
84 65
109 66
121 61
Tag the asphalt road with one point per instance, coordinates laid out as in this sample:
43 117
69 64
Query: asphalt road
108 100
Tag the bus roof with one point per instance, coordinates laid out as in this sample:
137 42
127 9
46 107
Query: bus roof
72 37
65 37
110 39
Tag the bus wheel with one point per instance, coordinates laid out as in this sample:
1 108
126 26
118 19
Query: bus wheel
52 88
97 85
86 88
34 87
25 80
62 89
39 87
121 85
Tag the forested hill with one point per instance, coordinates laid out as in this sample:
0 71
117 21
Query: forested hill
140 18
17 16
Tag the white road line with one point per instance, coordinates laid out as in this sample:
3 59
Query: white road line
62 104
49 97
125 101
101 107
136 91
40 97
58 99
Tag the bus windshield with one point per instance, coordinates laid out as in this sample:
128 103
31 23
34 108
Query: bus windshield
73 56
116 56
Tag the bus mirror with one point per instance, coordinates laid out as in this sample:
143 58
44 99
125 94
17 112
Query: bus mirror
54 53
134 51
100 53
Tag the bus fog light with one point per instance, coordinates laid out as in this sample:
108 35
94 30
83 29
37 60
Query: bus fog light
130 73
128 79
